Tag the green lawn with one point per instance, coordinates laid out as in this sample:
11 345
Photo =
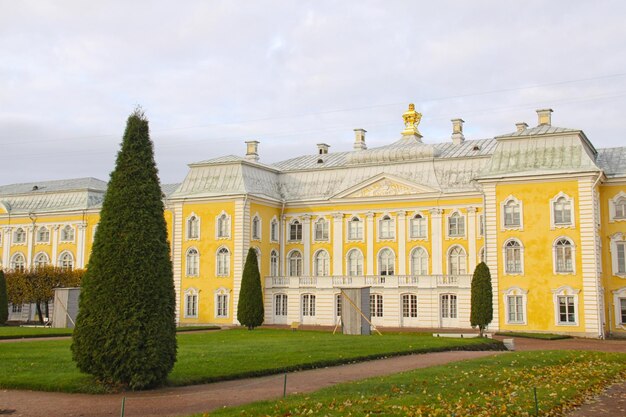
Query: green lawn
18 332
499 386
227 354
543 336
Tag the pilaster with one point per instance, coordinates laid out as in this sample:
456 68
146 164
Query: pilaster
337 244
80 246
471 238
7 236
401 235
283 239
369 258
55 245
30 243
436 216
306 240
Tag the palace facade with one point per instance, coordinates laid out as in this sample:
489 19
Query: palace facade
541 206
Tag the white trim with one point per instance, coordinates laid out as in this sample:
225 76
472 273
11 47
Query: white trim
392 224
12 260
617 238
378 263
187 274
228 229
516 291
448 260
426 221
187 230
413 250
328 266
228 262
259 236
565 291
14 241
618 294
277 222
275 273
289 224
504 258
288 263
572 223
554 260
39 229
321 219
503 203
447 224
72 257
347 260
612 202
221 291
361 221
62 232
194 292
39 254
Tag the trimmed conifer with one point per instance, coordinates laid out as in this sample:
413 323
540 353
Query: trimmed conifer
4 300
250 310
482 298
125 331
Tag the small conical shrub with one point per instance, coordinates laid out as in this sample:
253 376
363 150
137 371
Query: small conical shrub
250 311
482 301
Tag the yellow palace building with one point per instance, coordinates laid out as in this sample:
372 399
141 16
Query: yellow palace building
541 206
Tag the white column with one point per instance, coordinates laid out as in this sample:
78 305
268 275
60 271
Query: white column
30 243
337 244
55 245
491 249
369 257
177 255
401 235
80 246
437 241
241 243
283 239
7 234
306 240
471 238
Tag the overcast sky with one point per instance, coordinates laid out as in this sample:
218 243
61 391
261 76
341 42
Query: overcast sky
291 74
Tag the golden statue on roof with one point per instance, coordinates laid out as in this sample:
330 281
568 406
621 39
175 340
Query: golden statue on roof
411 120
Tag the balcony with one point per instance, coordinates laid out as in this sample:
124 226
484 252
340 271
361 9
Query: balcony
375 281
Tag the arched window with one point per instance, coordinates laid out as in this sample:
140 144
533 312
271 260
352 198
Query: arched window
321 229
512 211
274 230
457 261
18 262
43 235
564 256
66 261
386 262
419 262
355 229
295 231
386 228
223 226
321 264
193 262
67 234
273 263
562 211
280 304
191 303
193 227
620 208
513 257
456 225
355 263
41 260
256 228
418 227
20 235
376 305
223 262
294 264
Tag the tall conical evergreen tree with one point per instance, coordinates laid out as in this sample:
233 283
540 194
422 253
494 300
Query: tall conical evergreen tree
4 300
250 310
125 330
482 301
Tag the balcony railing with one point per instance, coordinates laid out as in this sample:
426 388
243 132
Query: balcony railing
378 281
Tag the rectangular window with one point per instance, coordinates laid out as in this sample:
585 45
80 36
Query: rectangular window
409 305
295 231
567 312
192 305
16 308
256 234
338 305
222 305
355 229
418 227
448 306
308 305
622 307
280 305
516 309
274 231
376 305
321 230
386 228
456 226
481 225
621 257
511 215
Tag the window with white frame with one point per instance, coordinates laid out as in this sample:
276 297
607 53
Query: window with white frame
43 235
515 305
256 228
19 236
562 211
338 305
321 229
221 303
321 264
457 261
513 262
619 301
355 229
376 305
512 213
481 225
418 227
223 226
41 260
409 305
448 306
386 262
16 308
308 305
355 263
18 262
419 261
193 227
621 257
386 227
274 263
193 262
563 255
67 234
66 261
620 208
566 305
622 307
617 248
295 231
280 305
274 230
191 303
456 225
223 262
294 264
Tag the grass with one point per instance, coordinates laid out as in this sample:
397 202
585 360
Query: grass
228 354
542 336
18 332
499 386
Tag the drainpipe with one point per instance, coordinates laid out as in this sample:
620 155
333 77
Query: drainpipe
601 334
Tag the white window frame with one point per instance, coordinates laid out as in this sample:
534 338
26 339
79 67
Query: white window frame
37 260
222 303
274 230
256 234
462 218
360 228
274 263
505 250
379 258
20 231
321 225
223 225
63 237
12 262
462 256
290 257
555 256
191 292
618 295
294 223
321 256
188 271
62 255
618 239
358 262
565 291
222 262
40 230
520 207
612 208
572 223
417 218
425 259
409 312
307 305
377 305
516 292
188 227
281 305
386 227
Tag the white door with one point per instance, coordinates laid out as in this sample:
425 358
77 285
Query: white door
307 309
280 309
448 310
409 310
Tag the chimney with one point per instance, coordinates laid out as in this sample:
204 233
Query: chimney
545 118
359 140
322 148
521 126
457 131
252 150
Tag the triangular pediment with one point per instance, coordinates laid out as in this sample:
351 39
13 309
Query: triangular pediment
384 185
